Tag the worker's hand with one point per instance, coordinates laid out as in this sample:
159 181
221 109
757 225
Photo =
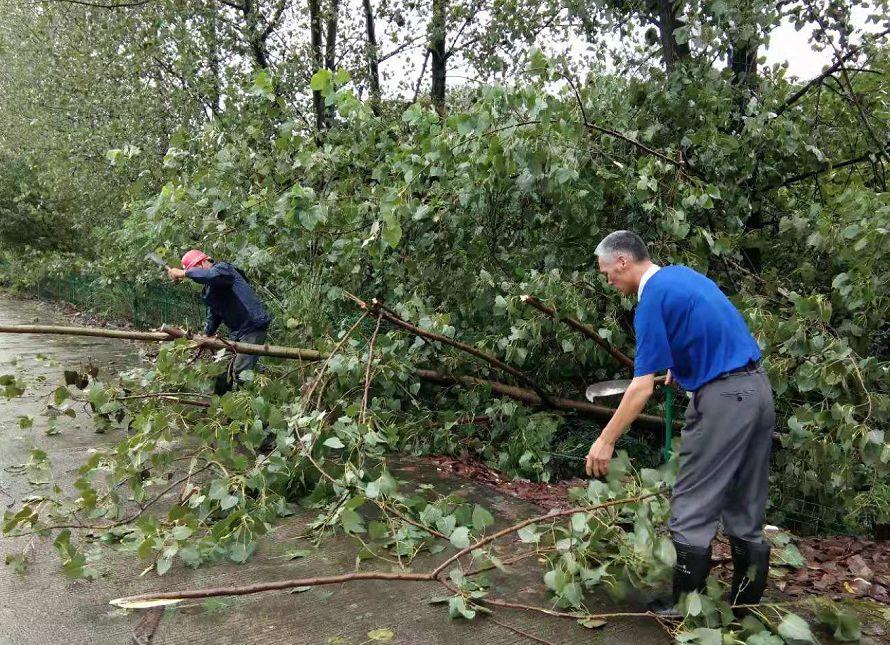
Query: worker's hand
668 378
175 274
598 457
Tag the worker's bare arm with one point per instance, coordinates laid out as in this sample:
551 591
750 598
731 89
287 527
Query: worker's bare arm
632 403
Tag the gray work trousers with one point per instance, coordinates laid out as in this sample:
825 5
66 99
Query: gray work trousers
724 460
248 361
241 362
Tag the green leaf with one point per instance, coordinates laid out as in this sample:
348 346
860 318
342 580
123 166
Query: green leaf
845 624
528 534
791 556
481 518
665 551
392 230
460 537
239 552
693 603
795 629
446 524
591 623
263 86
321 80
334 442
61 394
351 521
381 634
181 532
457 608
163 565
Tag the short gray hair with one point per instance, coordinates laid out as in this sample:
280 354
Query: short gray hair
623 242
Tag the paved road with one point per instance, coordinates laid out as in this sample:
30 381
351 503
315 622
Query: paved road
43 607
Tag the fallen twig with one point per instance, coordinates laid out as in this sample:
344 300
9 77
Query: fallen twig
494 361
148 600
587 330
364 410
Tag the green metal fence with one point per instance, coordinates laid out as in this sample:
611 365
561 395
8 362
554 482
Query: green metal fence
144 305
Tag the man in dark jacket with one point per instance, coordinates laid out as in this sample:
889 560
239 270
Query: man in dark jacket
230 300
685 325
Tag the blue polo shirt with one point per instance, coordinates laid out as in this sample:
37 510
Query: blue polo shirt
684 323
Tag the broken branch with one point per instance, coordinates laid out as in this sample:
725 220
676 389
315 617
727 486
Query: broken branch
587 330
494 361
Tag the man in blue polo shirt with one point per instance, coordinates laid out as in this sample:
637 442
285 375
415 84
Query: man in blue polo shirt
686 326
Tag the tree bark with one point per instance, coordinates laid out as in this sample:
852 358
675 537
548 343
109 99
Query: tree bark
373 73
330 59
668 22
255 38
439 55
213 63
317 60
743 64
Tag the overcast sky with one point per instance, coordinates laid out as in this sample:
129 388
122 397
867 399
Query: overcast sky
792 46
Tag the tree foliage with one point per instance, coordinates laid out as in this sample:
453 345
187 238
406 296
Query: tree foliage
221 125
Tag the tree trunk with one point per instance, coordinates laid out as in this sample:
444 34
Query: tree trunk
330 59
743 64
373 74
439 55
668 22
255 38
330 55
215 93
317 60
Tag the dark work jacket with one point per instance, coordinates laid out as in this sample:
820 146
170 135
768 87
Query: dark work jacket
230 300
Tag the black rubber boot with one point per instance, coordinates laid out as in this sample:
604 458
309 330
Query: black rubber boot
750 569
690 574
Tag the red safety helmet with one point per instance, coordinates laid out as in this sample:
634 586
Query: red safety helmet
193 258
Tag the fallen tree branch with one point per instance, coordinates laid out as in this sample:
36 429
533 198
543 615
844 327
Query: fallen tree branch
516 630
494 361
531 398
167 334
147 600
577 325
173 397
828 166
364 410
683 167
794 98
317 378
534 520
